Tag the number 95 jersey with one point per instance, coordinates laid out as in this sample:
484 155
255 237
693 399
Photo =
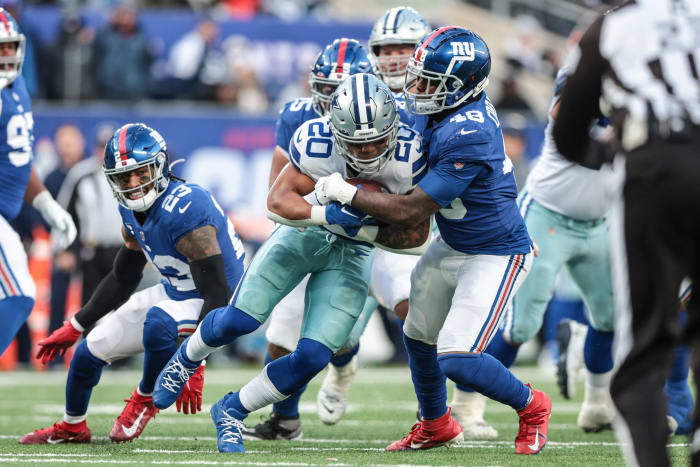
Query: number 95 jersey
471 178
184 207
16 140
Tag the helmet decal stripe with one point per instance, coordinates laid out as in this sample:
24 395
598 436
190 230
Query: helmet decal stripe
341 55
368 102
390 20
356 99
122 143
3 18
427 42
396 19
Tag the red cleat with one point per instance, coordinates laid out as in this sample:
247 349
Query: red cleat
428 434
534 420
58 433
130 424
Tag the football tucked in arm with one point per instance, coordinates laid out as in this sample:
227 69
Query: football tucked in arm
367 184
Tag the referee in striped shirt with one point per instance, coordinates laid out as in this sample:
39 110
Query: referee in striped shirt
641 62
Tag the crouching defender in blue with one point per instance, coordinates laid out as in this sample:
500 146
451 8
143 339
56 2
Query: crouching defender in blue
331 243
183 232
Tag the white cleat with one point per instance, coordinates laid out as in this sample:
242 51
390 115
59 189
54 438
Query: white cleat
468 409
571 336
597 411
332 398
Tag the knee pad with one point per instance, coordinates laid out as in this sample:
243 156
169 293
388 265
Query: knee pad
309 358
159 330
85 367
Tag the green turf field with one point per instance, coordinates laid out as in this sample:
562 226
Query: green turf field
382 409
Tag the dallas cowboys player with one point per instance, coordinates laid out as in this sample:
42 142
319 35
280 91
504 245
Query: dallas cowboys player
338 60
183 232
462 284
358 138
393 38
21 183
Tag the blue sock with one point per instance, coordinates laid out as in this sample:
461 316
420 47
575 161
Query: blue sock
288 408
680 366
223 325
83 375
486 375
499 349
597 351
14 311
290 373
159 343
428 378
344 359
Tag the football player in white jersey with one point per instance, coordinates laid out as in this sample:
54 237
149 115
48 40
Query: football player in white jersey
21 183
362 137
336 62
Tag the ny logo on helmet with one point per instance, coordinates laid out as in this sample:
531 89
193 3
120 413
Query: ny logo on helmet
465 49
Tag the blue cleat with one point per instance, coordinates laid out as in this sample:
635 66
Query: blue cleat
680 407
173 378
229 427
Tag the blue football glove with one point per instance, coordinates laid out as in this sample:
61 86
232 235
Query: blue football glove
344 215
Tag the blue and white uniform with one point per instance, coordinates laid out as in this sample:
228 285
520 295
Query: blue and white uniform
469 274
182 208
292 115
16 139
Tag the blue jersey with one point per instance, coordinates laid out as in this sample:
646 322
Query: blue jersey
292 115
183 208
471 178
406 116
16 139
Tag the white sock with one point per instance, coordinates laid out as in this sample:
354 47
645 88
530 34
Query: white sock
260 392
597 387
74 419
196 349
138 391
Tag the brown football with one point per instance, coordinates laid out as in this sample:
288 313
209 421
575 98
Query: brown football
367 184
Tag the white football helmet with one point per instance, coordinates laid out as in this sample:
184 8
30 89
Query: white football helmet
398 26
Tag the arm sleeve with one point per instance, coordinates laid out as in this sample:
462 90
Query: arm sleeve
580 97
451 176
115 288
209 277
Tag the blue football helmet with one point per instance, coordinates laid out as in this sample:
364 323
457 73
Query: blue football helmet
11 65
337 61
449 66
138 148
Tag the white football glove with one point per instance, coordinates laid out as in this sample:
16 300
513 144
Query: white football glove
334 188
63 229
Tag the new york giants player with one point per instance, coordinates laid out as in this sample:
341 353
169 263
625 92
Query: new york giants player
21 183
331 242
338 60
183 232
462 284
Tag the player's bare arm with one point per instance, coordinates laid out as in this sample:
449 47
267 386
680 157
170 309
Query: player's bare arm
199 244
398 237
407 210
286 194
280 159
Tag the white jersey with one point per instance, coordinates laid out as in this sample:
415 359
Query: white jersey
313 153
566 187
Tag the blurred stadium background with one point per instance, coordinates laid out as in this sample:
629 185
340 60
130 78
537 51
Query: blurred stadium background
211 76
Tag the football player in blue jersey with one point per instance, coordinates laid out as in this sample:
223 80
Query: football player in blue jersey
392 41
20 184
183 232
361 137
463 283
